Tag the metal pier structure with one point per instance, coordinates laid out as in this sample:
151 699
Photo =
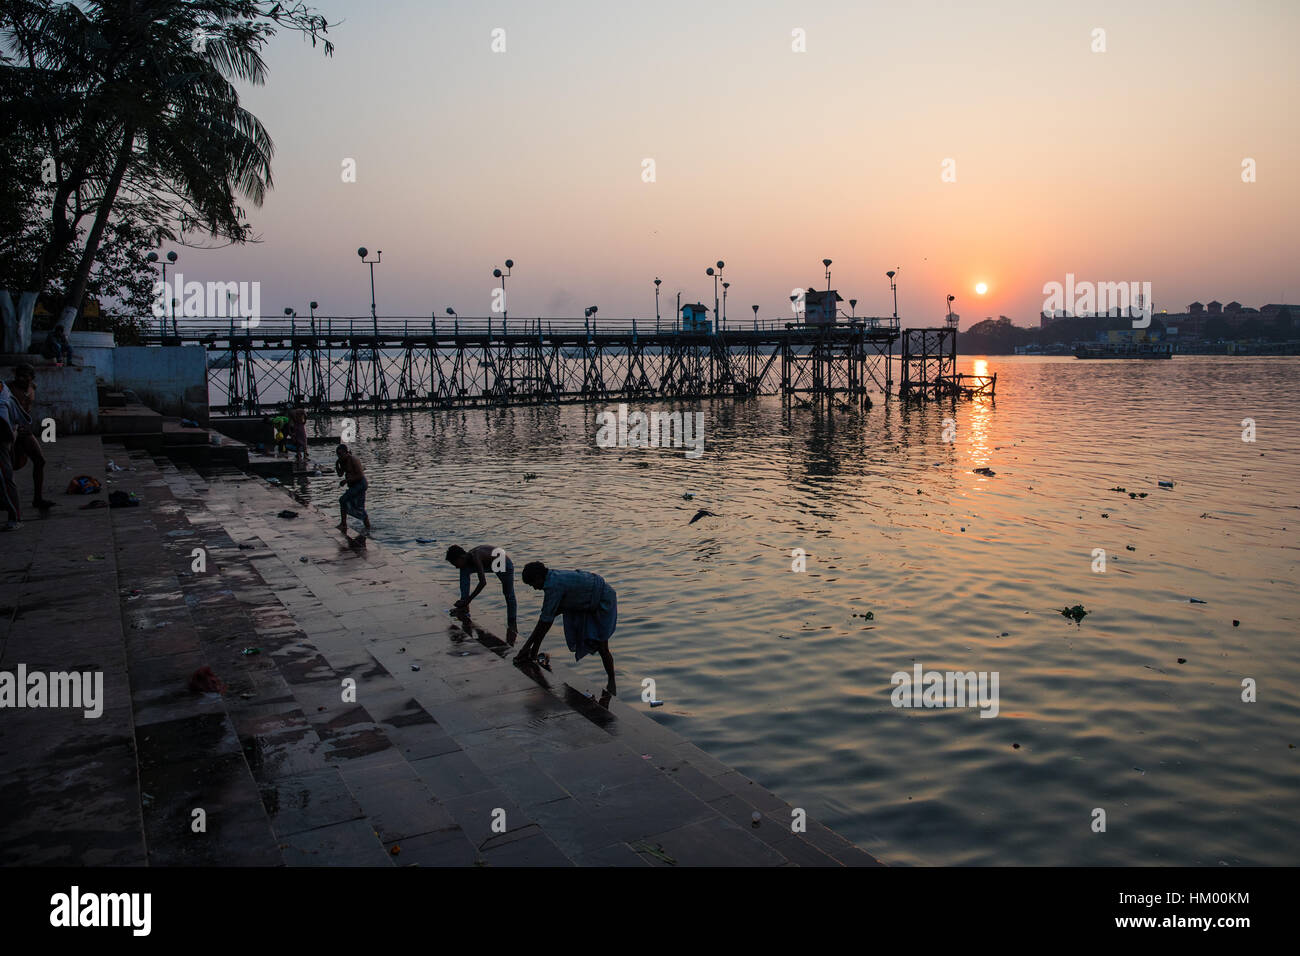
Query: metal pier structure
448 363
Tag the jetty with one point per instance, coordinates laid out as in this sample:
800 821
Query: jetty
355 363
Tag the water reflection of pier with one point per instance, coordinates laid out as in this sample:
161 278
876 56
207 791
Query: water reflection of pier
488 362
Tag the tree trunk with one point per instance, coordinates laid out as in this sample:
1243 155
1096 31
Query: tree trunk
77 291
17 326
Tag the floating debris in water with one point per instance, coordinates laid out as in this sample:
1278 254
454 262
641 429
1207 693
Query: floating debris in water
1182 660
687 496
1195 601
1118 488
1165 484
1005 634
1075 613
529 475
1105 514
1129 547
1236 623
424 540
985 471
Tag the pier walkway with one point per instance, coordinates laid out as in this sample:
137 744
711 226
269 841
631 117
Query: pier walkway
446 755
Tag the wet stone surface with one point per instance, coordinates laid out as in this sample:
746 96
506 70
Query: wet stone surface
327 746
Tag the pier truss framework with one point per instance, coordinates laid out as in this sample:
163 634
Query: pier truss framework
531 362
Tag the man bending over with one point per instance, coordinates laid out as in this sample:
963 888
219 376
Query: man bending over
590 609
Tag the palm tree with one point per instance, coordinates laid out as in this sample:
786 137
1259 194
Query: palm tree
136 103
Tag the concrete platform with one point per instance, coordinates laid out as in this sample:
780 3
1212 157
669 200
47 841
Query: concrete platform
368 728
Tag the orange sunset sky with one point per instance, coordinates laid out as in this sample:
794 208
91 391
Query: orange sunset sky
1122 165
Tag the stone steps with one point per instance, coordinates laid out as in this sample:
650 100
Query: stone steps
68 784
444 755
600 785
332 769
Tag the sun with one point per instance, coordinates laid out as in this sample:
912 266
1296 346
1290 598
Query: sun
981 287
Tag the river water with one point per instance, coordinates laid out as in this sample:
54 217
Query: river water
1137 711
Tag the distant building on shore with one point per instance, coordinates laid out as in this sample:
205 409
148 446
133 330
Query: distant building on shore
1191 325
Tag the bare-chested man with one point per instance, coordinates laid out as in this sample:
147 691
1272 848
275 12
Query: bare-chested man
478 561
298 424
27 447
353 501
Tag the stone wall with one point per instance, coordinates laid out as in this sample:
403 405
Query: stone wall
172 380
66 394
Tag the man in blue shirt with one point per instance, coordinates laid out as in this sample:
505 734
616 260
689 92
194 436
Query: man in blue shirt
590 609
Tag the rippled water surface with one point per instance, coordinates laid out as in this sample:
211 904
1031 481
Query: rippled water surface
779 674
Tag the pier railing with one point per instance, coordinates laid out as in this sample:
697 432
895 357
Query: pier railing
198 329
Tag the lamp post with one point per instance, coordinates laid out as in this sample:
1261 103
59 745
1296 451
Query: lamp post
951 323
505 312
853 308
374 318
725 287
893 287
657 284
827 264
171 299
313 307
293 322
755 308
716 276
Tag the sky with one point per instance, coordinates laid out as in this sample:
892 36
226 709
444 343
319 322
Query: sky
1122 165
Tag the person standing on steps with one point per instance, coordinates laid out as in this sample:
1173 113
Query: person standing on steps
298 422
12 416
353 501
27 446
